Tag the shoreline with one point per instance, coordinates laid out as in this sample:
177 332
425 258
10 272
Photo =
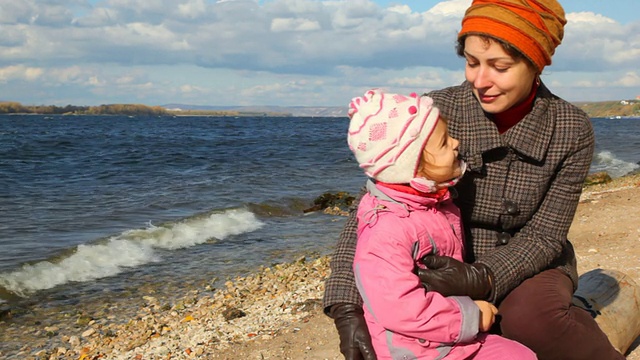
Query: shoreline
276 312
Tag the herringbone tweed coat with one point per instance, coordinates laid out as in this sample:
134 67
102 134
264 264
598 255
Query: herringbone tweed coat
518 197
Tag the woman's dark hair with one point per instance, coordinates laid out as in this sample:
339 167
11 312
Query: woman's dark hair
508 48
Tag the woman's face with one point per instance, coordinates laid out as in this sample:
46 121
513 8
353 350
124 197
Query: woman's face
499 81
439 160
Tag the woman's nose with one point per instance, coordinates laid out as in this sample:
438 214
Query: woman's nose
482 78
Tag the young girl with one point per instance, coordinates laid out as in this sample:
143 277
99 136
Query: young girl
404 147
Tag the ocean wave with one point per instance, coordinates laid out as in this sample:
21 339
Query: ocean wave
131 248
615 167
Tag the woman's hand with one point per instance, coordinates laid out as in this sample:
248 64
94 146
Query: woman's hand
450 277
355 341
487 315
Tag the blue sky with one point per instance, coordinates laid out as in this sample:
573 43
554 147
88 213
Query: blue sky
623 11
280 52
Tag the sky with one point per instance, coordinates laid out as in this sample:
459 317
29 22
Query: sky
280 52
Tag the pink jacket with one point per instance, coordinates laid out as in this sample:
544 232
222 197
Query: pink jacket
395 229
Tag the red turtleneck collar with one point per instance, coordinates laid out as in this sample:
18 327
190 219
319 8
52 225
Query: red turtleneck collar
508 118
438 195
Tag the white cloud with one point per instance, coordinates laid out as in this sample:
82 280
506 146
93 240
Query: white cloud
73 74
284 48
588 18
301 25
630 79
192 9
422 80
95 81
187 89
454 8
19 72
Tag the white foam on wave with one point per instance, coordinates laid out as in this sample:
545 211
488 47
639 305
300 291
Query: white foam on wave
607 161
130 249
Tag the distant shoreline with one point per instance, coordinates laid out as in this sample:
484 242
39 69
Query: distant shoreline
622 109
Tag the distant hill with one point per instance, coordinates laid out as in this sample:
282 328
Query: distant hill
604 109
623 108
302 111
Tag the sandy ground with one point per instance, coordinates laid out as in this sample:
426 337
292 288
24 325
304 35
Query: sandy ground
605 233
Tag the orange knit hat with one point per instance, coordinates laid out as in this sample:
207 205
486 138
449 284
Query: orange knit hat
535 27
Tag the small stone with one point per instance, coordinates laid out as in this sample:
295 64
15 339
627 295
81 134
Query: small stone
51 329
601 177
88 332
83 320
162 350
5 313
233 313
74 341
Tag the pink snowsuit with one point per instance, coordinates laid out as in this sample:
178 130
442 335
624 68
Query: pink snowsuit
395 229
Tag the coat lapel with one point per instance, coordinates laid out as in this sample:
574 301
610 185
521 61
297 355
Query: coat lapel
531 136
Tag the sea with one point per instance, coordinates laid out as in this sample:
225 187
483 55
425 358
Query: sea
104 207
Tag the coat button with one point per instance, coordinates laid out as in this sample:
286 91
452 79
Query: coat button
422 341
510 207
503 238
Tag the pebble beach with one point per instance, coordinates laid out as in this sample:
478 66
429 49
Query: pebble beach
274 313
199 325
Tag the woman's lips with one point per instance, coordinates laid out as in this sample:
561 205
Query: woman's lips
488 98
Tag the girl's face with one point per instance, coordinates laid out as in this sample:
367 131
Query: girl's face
499 81
439 160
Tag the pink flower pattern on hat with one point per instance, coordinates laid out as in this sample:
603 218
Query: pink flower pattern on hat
378 132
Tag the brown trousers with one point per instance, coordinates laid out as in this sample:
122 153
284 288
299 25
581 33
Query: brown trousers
539 314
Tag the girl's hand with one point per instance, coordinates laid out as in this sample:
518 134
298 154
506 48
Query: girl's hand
487 315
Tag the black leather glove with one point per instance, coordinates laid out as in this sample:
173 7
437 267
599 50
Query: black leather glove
355 341
450 277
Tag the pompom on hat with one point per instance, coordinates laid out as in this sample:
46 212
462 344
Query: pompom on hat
387 134
534 27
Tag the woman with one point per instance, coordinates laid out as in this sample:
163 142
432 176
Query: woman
404 147
528 153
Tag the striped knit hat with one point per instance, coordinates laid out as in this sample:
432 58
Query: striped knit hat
388 132
534 27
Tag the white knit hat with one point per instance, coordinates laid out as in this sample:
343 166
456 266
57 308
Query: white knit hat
388 132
